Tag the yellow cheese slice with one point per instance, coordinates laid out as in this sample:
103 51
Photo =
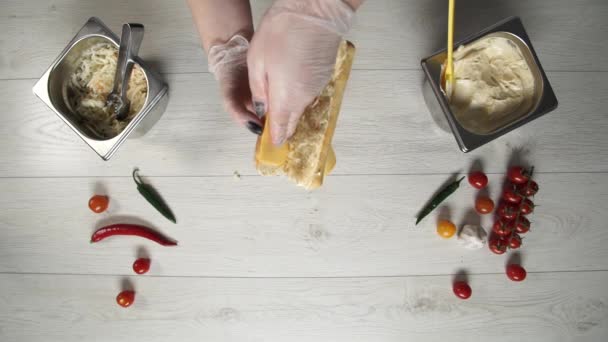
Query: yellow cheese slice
330 162
266 152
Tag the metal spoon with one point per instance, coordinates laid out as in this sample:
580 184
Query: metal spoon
130 40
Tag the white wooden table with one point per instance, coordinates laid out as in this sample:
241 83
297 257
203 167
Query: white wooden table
261 260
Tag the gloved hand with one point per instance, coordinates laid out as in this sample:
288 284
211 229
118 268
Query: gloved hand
292 56
228 62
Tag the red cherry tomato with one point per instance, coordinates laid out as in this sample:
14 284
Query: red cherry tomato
523 225
518 175
502 227
511 194
507 211
141 265
478 179
514 241
125 298
462 290
528 189
527 207
497 244
484 205
99 203
516 272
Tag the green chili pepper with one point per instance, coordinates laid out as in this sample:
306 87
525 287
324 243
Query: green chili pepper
153 197
440 197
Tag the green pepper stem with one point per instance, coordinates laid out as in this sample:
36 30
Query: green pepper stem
136 177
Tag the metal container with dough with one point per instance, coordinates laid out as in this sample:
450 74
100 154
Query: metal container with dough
51 89
468 133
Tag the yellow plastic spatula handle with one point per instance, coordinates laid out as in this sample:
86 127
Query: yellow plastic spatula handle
449 70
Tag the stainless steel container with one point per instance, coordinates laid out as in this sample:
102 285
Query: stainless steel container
468 139
51 90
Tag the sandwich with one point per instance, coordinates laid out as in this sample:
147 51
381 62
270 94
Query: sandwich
308 155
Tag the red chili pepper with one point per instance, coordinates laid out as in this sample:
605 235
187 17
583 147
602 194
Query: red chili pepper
133 230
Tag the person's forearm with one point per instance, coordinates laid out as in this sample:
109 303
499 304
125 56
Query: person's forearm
218 20
354 3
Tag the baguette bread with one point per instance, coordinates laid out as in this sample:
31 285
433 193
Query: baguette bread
308 155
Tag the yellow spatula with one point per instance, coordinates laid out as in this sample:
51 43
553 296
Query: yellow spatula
449 65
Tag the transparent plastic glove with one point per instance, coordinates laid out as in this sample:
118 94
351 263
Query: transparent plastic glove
228 62
292 56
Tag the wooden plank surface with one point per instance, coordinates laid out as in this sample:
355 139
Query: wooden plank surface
265 227
551 307
384 128
390 34
260 260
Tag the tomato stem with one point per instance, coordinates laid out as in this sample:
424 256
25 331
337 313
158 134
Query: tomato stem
521 204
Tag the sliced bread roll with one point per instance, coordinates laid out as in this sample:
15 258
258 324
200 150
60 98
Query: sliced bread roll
308 155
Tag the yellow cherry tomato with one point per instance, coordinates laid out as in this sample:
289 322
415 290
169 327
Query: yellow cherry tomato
446 229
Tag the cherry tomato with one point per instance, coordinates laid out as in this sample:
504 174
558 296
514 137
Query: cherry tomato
502 227
518 175
141 265
528 189
484 205
497 244
511 194
516 272
507 211
527 207
125 298
523 225
478 179
462 290
446 229
99 203
514 241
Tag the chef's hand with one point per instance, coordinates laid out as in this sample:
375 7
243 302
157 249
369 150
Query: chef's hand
292 56
228 62
225 27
